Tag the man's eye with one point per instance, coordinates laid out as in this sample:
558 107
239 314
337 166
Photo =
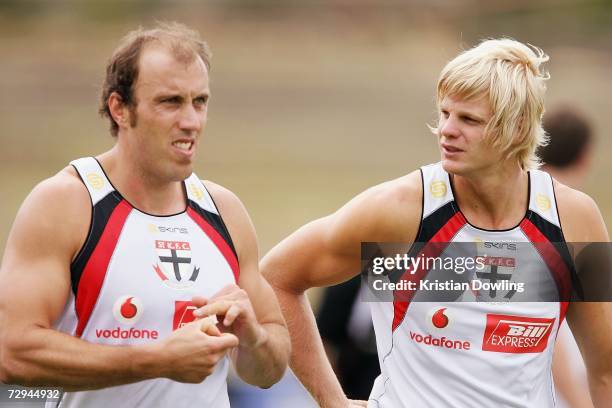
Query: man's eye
171 100
201 100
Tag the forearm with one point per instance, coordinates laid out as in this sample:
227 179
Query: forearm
45 357
308 358
264 364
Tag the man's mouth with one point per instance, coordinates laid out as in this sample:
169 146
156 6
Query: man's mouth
450 149
184 146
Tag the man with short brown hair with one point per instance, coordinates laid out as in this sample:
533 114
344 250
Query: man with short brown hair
118 267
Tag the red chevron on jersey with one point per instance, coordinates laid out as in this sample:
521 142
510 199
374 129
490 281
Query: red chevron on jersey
443 237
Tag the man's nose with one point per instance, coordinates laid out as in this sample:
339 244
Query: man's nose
191 119
448 127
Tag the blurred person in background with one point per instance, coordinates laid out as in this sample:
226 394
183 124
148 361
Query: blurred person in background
568 158
490 101
117 266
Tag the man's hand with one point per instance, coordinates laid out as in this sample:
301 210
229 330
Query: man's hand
358 404
193 351
234 310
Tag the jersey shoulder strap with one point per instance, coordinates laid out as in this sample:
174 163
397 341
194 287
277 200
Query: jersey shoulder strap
197 192
438 201
437 191
542 196
94 178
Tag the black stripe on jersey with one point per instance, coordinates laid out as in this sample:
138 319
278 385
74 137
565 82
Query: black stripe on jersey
435 221
215 221
550 230
100 214
555 236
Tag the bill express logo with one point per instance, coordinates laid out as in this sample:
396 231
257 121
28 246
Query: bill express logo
516 334
127 310
183 313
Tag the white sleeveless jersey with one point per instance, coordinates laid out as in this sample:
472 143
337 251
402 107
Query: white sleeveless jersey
475 354
132 284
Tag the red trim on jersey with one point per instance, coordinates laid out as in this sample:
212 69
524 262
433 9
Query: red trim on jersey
564 306
443 237
97 265
218 240
553 260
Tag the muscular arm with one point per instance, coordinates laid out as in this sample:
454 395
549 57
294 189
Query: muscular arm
34 287
582 222
262 355
326 252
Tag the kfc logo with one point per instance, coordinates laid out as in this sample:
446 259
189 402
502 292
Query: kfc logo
515 334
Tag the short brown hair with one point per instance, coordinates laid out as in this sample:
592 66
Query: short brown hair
570 134
122 69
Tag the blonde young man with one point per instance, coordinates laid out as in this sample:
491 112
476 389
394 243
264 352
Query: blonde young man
109 259
485 188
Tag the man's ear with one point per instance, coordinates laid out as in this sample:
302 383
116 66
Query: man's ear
118 110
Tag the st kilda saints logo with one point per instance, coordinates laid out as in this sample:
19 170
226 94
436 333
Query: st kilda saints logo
174 267
499 275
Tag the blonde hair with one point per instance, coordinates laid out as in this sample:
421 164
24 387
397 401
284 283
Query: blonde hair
508 73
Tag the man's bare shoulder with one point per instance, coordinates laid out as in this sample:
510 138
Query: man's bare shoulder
387 212
66 181
62 193
221 195
403 191
58 209
234 215
581 219
229 205
393 194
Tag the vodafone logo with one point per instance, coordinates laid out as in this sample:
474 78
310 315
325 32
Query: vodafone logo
516 334
439 319
127 334
127 309
441 342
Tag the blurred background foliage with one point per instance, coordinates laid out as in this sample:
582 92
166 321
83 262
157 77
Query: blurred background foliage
313 101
